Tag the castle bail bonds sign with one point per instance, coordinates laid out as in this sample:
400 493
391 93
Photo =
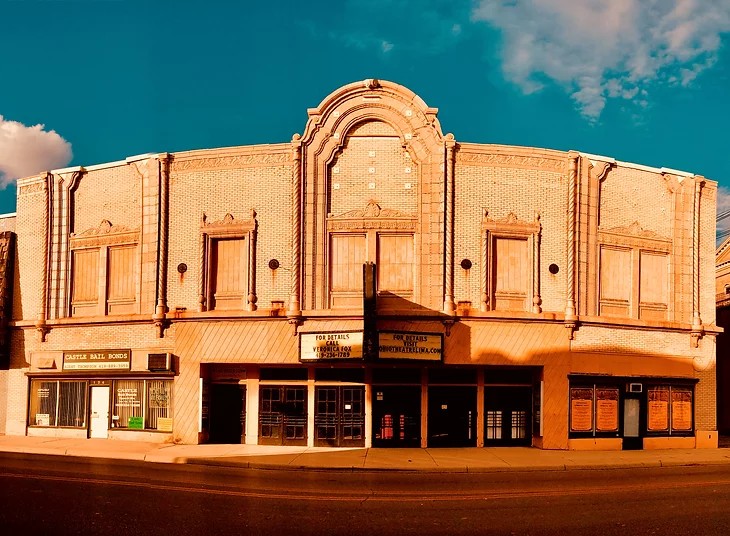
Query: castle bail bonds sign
420 346
330 346
97 360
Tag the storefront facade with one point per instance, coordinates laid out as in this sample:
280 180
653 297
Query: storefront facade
373 282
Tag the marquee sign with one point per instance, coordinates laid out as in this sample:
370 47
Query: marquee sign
417 346
330 346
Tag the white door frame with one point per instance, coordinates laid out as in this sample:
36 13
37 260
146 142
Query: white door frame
99 411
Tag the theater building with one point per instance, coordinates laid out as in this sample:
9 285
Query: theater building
372 282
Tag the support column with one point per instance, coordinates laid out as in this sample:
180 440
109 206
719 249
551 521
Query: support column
296 233
570 312
697 328
449 304
161 308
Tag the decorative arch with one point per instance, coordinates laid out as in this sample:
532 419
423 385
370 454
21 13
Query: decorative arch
324 137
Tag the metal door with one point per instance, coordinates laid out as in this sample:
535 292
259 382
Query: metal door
99 418
508 419
340 416
283 415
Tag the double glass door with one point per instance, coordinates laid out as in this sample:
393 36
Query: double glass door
339 420
508 419
283 415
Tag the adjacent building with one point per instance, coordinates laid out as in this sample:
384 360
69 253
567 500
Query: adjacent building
372 282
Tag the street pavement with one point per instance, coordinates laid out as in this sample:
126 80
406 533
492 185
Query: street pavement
449 460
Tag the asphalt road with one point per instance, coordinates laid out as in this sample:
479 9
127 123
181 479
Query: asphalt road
65 495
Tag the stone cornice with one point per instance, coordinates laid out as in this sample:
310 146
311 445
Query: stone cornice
486 155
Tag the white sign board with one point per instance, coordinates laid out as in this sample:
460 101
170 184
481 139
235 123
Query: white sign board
420 346
330 346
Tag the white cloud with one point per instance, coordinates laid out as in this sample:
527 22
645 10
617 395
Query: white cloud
25 150
599 49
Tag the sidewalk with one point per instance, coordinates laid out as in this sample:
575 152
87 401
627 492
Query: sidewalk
466 460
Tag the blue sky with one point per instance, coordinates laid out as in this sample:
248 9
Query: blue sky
91 81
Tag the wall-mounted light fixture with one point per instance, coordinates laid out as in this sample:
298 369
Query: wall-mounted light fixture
182 268
465 264
273 264
554 268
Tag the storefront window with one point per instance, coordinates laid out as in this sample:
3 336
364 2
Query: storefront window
128 404
57 403
143 405
669 409
159 410
594 409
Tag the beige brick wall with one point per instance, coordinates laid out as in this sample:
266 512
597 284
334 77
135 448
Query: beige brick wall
373 156
216 192
629 195
113 193
504 189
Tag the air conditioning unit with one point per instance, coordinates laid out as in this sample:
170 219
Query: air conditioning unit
635 388
159 362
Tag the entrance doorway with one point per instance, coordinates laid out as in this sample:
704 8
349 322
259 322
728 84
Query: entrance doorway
99 418
283 415
227 413
452 416
339 420
632 439
396 416
508 419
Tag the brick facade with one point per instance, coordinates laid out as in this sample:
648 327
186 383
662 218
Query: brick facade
373 162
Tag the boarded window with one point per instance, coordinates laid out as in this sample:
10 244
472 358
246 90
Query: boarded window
615 283
395 264
121 280
229 273
85 283
511 274
654 286
347 257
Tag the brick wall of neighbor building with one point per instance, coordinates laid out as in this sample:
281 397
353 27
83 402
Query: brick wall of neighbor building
533 296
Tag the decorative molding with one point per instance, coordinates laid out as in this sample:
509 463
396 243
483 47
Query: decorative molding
510 160
233 161
33 188
228 225
510 223
105 234
372 217
635 236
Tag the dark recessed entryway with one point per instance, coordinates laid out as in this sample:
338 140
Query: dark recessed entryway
396 416
452 416
227 413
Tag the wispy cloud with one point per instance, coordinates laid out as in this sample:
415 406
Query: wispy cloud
398 25
602 49
26 150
